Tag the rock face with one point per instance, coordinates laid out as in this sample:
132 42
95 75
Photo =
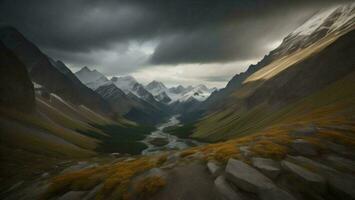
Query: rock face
214 168
16 88
267 166
303 147
309 178
225 190
246 177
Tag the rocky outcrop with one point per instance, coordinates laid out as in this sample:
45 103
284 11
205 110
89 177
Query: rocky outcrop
303 147
246 177
267 166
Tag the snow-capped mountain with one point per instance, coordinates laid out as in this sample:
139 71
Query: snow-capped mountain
91 78
178 93
332 21
163 97
156 87
125 83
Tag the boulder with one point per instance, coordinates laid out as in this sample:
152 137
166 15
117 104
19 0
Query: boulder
309 178
267 166
225 190
339 183
304 131
244 150
275 194
214 168
246 177
92 194
303 147
341 162
72 195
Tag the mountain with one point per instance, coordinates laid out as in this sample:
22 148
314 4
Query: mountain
339 19
44 73
130 106
125 83
177 90
162 97
277 86
156 87
91 78
16 88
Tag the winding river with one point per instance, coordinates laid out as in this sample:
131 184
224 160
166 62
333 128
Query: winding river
167 141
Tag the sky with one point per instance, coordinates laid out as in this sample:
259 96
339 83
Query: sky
185 42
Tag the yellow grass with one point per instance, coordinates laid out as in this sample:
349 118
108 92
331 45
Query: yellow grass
148 186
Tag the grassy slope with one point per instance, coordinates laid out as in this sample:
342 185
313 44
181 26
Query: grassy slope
235 118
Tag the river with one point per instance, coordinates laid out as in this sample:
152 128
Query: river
166 140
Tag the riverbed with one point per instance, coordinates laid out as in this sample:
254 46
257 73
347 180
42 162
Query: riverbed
159 140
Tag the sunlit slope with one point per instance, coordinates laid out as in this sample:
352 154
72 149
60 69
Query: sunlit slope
318 79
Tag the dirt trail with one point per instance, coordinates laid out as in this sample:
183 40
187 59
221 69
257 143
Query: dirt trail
191 181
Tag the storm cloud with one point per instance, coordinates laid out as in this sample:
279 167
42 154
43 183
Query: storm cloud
162 32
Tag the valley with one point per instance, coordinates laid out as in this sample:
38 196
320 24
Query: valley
284 129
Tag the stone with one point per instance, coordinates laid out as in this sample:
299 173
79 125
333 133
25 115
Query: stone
267 166
339 183
244 150
225 190
79 166
314 180
341 162
72 195
92 194
305 131
214 168
115 155
303 147
246 177
342 185
275 194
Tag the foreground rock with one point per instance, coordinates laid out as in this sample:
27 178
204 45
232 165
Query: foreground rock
315 181
246 177
267 166
214 168
225 190
303 147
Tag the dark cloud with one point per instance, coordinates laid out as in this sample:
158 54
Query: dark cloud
187 31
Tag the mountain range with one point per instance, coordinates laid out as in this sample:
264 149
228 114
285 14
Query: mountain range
283 129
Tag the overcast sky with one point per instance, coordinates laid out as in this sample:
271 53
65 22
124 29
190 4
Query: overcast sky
173 41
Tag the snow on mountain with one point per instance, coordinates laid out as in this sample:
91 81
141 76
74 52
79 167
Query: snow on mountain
178 93
332 21
91 78
163 97
125 83
156 87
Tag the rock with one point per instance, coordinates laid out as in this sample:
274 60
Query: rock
303 147
225 190
115 155
244 150
341 162
305 131
45 175
92 194
158 141
275 194
214 168
267 166
340 184
79 166
315 181
336 148
246 177
72 195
